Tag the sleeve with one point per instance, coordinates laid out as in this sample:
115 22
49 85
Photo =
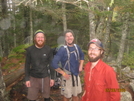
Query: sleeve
52 71
57 58
27 65
112 83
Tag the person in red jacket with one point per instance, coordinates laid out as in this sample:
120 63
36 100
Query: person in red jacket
100 79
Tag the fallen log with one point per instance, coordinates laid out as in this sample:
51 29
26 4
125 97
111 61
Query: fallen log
11 79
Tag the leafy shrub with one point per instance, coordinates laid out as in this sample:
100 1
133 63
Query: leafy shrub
17 51
128 60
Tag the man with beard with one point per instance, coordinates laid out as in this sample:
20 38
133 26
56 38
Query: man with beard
71 58
37 65
100 79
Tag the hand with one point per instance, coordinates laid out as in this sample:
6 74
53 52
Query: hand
51 83
28 84
66 76
80 69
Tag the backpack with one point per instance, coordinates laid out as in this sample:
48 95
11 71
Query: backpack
57 83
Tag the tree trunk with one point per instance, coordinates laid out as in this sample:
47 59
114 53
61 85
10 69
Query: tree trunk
2 87
1 51
123 39
107 34
4 8
92 24
31 26
64 16
100 28
11 78
14 24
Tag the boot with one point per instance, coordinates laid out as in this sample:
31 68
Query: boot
46 99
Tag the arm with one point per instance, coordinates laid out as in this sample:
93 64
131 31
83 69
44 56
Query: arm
113 84
52 71
81 59
81 65
27 68
63 73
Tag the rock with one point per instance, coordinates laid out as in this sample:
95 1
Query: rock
126 69
126 96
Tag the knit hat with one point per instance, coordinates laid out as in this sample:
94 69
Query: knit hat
38 31
97 42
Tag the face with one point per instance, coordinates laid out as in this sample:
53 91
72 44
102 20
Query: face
69 38
94 53
39 40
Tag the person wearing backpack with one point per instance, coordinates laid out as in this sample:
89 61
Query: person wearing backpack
72 58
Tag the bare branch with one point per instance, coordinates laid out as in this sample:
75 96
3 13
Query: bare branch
20 3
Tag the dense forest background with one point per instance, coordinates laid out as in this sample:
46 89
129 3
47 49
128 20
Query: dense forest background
112 21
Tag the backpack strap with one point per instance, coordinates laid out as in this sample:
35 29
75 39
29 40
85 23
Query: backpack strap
68 54
77 51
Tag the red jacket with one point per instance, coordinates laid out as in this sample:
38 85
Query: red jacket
97 82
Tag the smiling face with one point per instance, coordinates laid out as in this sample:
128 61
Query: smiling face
39 40
94 52
69 38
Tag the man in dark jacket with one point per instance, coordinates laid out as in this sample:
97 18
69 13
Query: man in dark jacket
39 75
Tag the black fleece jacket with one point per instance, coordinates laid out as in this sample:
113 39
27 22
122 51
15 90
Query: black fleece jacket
38 61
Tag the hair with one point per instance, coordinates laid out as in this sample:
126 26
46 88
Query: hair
67 31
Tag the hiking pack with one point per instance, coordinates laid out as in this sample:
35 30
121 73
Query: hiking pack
58 75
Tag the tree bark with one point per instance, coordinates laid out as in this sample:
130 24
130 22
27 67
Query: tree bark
14 26
123 39
31 26
64 16
1 51
2 87
107 33
11 78
91 25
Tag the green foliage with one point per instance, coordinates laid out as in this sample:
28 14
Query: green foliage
128 60
18 51
16 55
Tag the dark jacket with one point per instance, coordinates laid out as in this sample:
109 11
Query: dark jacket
38 61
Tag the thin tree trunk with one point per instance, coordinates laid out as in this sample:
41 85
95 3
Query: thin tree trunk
31 26
64 16
14 24
1 51
2 87
100 28
123 39
92 24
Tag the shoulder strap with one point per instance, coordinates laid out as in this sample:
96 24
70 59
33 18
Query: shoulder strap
68 54
77 51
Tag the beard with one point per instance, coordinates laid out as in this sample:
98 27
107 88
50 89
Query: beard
95 59
38 44
70 43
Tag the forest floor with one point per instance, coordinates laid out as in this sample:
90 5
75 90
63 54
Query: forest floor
17 90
